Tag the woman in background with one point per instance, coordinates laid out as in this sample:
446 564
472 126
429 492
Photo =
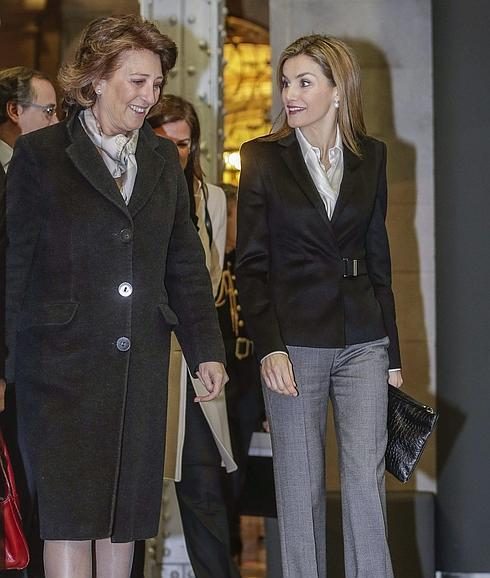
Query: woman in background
199 444
314 275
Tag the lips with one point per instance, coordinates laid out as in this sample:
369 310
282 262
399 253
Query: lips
292 110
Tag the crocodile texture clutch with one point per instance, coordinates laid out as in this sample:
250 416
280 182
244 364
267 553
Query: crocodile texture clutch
410 424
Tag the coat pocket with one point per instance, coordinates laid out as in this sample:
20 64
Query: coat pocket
168 314
49 314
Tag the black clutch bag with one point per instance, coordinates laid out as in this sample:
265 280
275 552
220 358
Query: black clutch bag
410 424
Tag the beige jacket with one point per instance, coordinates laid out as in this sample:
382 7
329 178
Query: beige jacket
215 410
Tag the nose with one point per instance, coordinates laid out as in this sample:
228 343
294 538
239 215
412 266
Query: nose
289 93
149 94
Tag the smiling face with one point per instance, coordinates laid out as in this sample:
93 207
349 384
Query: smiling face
124 99
179 132
307 94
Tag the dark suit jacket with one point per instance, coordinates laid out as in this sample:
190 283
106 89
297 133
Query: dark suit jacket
289 254
92 408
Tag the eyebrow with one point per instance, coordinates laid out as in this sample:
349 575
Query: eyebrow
144 74
300 75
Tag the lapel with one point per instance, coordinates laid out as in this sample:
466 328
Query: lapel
293 157
150 168
349 181
2 178
88 161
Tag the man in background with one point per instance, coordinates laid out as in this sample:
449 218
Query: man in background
27 103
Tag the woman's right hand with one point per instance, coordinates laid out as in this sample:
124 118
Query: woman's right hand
277 372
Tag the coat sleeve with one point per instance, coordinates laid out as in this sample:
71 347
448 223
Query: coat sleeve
379 262
189 288
24 221
253 258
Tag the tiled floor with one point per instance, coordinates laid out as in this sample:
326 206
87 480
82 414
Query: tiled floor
253 555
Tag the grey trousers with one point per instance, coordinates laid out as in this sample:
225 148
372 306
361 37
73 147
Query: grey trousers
355 379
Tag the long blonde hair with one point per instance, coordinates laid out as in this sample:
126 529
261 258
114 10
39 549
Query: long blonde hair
340 67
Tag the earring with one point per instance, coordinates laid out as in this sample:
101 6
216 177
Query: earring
336 103
98 90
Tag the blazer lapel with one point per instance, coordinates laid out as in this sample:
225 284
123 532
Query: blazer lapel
349 181
88 161
150 168
294 160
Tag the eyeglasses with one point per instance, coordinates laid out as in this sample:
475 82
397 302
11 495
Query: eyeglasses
48 109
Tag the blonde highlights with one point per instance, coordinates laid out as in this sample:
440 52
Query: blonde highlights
99 53
340 67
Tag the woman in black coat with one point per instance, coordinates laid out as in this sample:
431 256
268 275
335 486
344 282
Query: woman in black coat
103 262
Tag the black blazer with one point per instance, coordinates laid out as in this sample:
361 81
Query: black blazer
290 271
92 406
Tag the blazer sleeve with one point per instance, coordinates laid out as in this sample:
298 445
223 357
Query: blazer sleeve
189 287
379 262
253 258
25 215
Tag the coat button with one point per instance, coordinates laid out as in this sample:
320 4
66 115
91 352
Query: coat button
126 235
123 344
125 289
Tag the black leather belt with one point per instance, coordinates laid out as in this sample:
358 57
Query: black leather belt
354 267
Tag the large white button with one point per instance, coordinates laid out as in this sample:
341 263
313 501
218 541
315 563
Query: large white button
125 289
123 344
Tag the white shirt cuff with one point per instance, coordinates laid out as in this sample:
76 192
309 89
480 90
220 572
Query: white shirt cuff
397 369
273 353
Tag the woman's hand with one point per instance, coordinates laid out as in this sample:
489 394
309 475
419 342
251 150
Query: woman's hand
277 372
395 378
213 376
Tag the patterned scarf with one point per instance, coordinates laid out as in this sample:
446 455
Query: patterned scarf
118 152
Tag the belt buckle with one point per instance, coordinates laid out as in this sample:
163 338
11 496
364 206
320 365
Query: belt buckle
243 347
347 269
355 269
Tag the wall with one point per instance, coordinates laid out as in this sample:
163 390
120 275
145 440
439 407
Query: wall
462 128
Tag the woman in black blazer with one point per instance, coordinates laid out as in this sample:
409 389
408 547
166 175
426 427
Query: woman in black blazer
314 275
103 262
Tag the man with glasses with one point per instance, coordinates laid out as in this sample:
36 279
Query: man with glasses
27 103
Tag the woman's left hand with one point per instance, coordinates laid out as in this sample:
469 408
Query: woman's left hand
395 378
213 376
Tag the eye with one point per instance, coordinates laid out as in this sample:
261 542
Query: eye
138 82
284 83
157 87
304 82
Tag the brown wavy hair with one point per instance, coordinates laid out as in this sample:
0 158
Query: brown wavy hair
340 67
99 52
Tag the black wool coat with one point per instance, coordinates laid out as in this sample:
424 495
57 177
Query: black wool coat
94 288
